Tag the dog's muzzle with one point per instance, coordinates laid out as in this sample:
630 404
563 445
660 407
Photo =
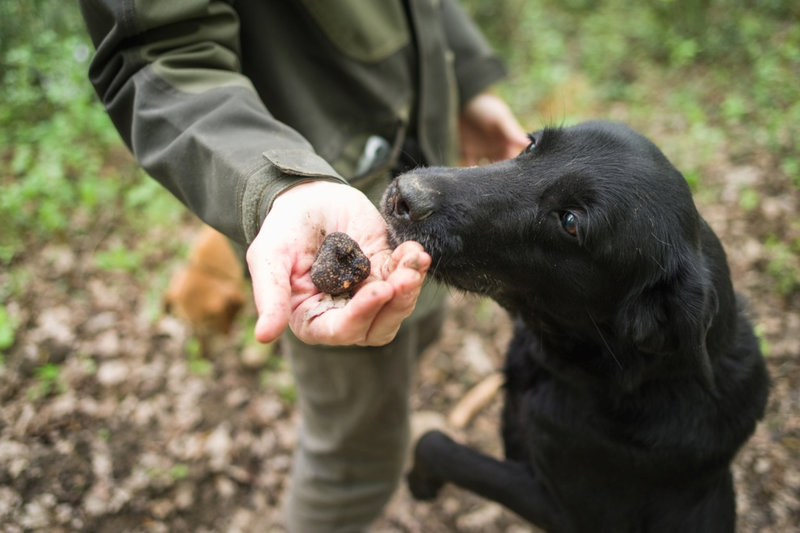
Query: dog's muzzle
408 200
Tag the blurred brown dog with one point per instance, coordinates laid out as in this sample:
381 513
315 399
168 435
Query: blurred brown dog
208 291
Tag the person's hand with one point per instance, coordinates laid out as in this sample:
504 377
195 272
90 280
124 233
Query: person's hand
281 255
489 132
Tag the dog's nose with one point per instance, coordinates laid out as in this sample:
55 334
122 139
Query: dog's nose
410 200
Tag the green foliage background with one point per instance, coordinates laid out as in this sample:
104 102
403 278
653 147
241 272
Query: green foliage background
54 137
730 67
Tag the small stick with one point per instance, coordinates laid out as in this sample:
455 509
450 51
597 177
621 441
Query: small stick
475 399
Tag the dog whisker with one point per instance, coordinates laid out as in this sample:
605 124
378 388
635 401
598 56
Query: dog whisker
605 342
436 266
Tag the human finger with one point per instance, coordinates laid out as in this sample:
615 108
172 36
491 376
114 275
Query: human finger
406 274
270 272
322 320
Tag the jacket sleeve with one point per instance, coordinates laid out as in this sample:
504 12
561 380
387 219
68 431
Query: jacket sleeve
476 65
169 76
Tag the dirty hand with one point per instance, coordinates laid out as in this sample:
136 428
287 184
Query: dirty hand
281 255
489 132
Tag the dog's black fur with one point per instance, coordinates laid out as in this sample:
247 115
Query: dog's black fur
633 376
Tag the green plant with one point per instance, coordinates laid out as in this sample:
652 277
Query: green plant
749 199
119 258
288 393
783 265
166 477
791 166
63 170
197 364
275 376
693 178
8 327
48 381
179 471
55 136
763 343
151 203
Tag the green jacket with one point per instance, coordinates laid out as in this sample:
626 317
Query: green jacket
229 103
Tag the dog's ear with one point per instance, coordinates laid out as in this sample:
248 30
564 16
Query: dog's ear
671 316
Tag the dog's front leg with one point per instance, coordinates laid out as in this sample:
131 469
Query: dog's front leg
438 459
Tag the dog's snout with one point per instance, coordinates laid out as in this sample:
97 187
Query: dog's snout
410 200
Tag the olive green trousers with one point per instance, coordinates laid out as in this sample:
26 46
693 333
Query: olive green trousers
354 424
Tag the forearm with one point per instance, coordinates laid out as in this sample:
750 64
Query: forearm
172 86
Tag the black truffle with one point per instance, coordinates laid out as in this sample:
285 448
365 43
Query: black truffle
340 265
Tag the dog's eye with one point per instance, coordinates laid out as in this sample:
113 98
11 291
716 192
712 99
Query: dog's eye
569 222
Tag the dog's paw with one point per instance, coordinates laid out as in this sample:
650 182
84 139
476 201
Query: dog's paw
422 484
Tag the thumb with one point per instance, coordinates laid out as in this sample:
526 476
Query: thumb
516 138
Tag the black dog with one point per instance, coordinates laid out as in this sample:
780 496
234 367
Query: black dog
633 376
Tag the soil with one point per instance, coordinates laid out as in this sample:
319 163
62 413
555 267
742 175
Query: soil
110 421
